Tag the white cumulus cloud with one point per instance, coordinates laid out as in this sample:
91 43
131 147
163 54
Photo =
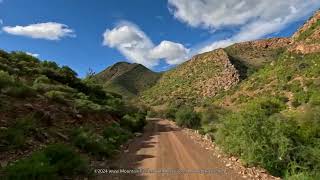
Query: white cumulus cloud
254 18
174 53
48 31
33 54
137 47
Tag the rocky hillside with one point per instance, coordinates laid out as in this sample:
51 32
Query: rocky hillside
203 76
209 74
255 54
310 31
127 79
294 75
307 38
268 113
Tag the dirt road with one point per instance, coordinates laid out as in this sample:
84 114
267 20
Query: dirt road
169 154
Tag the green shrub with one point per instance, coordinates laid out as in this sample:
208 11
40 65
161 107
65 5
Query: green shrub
186 117
87 106
49 64
16 135
134 123
54 162
284 145
58 96
35 167
315 98
65 160
87 140
301 97
20 91
170 113
208 116
45 87
115 134
42 79
5 80
152 114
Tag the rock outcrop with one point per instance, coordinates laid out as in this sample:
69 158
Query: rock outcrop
307 39
203 76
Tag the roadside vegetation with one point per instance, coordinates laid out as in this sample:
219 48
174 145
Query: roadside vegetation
279 132
55 125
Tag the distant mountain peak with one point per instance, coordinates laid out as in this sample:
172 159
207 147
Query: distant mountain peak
128 79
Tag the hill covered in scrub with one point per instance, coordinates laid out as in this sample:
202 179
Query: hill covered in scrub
208 74
203 76
213 73
127 79
271 117
54 125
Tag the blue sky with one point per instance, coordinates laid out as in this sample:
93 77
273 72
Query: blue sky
160 34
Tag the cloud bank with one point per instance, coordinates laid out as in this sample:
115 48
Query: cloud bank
137 47
254 18
48 31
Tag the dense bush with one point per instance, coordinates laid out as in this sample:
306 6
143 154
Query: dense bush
170 112
58 96
87 106
5 80
134 122
186 117
90 142
11 87
20 91
54 162
16 135
152 114
284 145
209 115
116 135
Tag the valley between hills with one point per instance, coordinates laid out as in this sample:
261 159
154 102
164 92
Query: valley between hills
247 111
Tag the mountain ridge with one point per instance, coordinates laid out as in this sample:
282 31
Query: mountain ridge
127 79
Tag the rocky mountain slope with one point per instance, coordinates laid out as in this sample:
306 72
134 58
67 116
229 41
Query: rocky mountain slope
294 75
127 79
268 113
212 73
255 54
203 76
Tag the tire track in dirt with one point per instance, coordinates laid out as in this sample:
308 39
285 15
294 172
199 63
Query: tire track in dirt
165 146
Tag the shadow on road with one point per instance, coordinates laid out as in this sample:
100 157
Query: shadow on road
134 155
